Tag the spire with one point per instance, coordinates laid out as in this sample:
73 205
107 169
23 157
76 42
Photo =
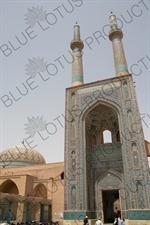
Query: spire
115 35
77 68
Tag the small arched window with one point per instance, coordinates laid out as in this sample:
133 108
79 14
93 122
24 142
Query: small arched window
93 139
125 84
73 197
73 99
130 118
126 89
118 136
133 145
129 112
73 128
107 137
73 153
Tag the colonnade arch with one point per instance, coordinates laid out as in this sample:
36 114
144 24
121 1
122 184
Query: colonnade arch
39 210
9 186
9 208
40 191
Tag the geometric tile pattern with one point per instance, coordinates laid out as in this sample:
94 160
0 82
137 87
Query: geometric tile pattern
139 215
20 155
112 103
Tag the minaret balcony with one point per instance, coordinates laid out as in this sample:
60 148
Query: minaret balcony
114 32
76 43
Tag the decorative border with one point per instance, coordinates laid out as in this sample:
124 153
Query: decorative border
139 215
80 215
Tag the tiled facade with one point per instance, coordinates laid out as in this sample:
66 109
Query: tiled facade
121 165
106 179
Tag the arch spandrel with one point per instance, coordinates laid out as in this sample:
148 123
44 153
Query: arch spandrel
86 110
109 180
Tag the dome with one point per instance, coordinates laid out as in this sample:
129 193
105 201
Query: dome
20 155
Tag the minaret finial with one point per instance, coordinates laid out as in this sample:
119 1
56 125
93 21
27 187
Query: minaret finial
77 68
115 36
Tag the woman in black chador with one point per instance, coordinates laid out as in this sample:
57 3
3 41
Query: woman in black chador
86 220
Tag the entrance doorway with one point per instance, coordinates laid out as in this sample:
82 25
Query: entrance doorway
111 205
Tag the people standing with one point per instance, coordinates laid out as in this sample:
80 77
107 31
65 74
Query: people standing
86 220
120 221
116 221
99 222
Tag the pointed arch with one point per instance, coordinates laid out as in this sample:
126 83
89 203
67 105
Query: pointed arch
94 114
93 104
118 136
93 138
9 186
110 172
73 196
40 191
98 121
107 136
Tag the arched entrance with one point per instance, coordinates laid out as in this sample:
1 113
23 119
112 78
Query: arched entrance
102 126
9 186
8 207
103 154
40 211
109 196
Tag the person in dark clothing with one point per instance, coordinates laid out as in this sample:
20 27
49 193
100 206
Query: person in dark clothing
86 220
116 221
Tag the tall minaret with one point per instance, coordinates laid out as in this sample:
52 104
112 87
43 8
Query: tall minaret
115 35
77 68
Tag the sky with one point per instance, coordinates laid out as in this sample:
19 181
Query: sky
36 34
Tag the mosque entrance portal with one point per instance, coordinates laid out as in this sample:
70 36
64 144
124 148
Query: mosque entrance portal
111 205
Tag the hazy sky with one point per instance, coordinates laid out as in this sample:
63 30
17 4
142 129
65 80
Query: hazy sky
38 33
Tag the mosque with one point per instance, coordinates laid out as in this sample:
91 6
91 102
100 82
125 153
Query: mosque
29 187
97 178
